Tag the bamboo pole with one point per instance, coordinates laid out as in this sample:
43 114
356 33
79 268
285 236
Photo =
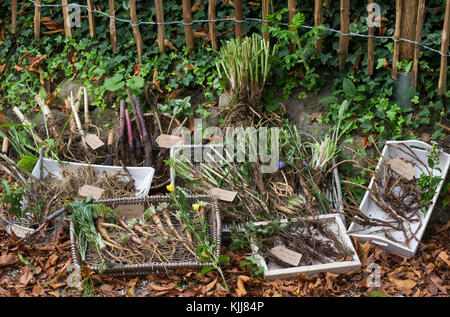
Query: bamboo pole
212 25
112 25
418 39
345 29
398 20
160 19
370 47
187 19
444 49
65 9
292 10
265 10
318 20
13 16
239 16
37 20
91 18
136 33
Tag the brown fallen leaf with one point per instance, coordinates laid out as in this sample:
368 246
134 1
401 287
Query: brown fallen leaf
38 290
8 259
241 291
2 68
27 276
157 288
208 287
405 286
364 250
438 282
444 257
132 284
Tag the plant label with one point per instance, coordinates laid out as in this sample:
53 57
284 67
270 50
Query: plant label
93 141
167 141
402 168
87 190
286 255
223 194
130 211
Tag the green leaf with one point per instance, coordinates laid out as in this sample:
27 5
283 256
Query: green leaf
376 293
114 83
206 269
28 162
349 88
224 259
329 100
22 259
136 83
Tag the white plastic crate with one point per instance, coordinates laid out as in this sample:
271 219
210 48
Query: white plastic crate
272 271
370 209
142 176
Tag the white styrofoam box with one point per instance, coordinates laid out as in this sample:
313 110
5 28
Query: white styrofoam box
370 209
142 176
272 271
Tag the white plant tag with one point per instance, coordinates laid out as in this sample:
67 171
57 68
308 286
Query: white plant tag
402 168
167 141
93 141
223 194
286 255
87 190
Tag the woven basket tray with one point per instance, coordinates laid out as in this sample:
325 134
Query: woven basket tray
214 231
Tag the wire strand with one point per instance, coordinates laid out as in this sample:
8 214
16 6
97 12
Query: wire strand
352 34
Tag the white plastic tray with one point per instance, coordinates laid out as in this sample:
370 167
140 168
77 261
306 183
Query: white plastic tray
370 209
142 176
273 271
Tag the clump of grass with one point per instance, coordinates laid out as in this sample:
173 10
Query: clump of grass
245 64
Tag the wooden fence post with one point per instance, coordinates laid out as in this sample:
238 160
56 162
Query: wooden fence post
419 27
239 16
112 25
91 18
345 29
13 16
212 25
318 20
160 19
292 10
370 45
187 19
398 20
136 33
265 10
444 49
37 20
65 9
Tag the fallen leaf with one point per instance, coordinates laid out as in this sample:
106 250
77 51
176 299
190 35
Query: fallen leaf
196 6
208 287
365 141
376 293
132 284
38 290
8 259
425 137
444 257
106 287
364 250
157 288
241 291
405 286
438 282
316 117
26 275
2 68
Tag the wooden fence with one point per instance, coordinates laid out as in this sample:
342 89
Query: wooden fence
410 16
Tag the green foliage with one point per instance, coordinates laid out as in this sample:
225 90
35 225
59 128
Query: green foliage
12 197
429 182
177 107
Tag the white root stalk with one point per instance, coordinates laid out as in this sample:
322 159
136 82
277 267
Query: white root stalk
5 146
48 116
25 121
86 107
77 118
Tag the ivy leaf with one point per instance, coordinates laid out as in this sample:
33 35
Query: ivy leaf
224 259
114 83
135 83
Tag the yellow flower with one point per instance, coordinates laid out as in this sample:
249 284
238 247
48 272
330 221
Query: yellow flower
196 206
170 187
